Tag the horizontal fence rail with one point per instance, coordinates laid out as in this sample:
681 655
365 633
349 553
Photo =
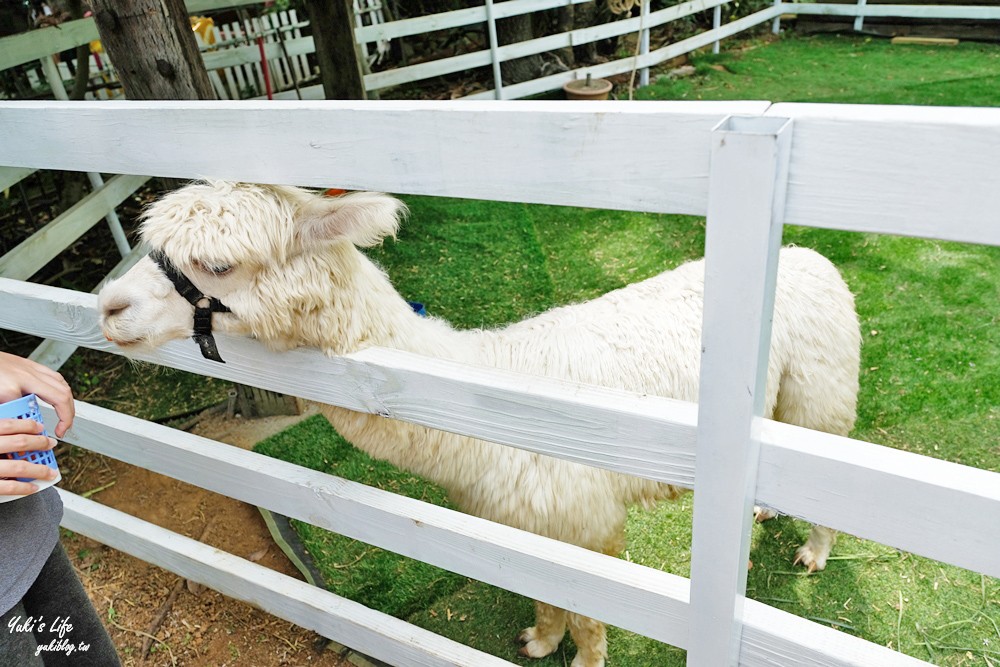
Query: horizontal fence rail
967 12
557 153
34 44
836 480
844 157
37 44
630 596
376 634
843 161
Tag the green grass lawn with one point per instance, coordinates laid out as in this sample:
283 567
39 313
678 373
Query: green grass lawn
929 377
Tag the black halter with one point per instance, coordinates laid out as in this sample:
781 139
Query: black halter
204 305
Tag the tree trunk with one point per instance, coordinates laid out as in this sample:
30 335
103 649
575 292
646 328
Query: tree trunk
564 23
510 31
153 49
332 23
156 56
585 16
81 78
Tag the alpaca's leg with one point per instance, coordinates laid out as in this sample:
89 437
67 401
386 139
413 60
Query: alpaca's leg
591 641
821 395
543 638
814 552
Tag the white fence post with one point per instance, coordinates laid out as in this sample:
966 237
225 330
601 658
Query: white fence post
491 24
716 23
776 23
59 92
644 40
859 20
747 183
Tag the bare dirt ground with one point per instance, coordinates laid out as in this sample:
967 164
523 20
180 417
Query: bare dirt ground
202 627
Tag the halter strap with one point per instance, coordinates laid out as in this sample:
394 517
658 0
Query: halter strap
204 305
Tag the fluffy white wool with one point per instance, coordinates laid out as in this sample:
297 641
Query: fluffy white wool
299 280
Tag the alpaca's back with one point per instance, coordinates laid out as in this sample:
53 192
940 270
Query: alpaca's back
646 338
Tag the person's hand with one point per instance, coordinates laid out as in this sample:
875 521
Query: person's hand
19 377
21 435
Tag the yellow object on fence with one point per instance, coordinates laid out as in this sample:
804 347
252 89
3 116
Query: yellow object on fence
204 26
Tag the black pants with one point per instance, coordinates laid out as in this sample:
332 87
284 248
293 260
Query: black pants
55 623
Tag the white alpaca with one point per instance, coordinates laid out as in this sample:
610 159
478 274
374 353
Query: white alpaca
285 261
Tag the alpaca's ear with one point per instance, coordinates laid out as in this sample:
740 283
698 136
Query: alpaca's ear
363 218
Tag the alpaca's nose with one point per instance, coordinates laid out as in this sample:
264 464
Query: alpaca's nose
114 308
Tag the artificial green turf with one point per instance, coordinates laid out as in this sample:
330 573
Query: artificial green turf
928 380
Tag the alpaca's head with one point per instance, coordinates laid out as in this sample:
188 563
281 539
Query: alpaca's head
274 255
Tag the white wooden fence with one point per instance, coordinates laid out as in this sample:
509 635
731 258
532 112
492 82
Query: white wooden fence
236 70
750 166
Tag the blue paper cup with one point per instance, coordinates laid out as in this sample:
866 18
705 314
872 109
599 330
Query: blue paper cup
26 407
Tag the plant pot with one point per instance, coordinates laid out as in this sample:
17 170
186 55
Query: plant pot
587 89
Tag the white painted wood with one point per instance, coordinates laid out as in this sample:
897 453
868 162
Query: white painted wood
617 28
776 21
296 34
626 64
641 435
237 74
454 19
970 12
276 66
559 153
374 633
10 176
35 44
281 22
512 559
644 39
252 70
709 36
114 224
427 70
491 30
314 92
252 32
44 245
213 75
625 594
937 509
716 22
881 169
859 22
534 46
750 158
645 436
772 638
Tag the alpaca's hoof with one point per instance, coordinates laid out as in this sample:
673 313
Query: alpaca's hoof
762 514
809 559
535 646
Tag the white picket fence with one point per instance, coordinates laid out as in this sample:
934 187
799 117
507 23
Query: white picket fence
750 166
235 66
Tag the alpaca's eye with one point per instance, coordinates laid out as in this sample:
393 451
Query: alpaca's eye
216 269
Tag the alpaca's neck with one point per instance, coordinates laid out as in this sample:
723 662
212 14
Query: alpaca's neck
359 308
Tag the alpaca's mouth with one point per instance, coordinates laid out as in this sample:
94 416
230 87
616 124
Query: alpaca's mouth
123 343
